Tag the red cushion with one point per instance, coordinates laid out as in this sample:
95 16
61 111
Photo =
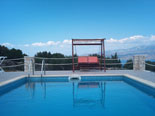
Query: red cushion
82 59
93 59
88 59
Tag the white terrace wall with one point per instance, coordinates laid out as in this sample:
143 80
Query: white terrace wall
139 62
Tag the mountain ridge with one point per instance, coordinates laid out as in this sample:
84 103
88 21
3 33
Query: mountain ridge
147 50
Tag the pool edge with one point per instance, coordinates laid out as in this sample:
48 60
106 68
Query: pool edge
12 80
145 82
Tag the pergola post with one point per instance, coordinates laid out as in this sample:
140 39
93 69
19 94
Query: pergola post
73 57
104 56
101 55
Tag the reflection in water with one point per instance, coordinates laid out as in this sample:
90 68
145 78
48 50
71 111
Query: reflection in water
83 98
32 85
87 100
43 85
31 88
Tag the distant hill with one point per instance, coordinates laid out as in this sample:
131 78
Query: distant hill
148 51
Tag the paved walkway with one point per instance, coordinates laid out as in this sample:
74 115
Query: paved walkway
146 75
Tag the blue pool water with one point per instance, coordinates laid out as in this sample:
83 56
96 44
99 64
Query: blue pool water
92 96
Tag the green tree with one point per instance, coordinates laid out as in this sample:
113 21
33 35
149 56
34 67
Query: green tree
114 62
128 64
57 60
149 67
12 54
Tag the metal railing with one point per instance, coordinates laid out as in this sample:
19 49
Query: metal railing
43 68
2 58
29 67
43 65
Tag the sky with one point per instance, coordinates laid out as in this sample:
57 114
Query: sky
38 25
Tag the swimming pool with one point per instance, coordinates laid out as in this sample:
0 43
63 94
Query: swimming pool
93 96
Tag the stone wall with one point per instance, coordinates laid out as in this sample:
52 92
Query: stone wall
139 62
29 60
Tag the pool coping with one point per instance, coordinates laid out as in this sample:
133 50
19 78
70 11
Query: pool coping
12 80
145 82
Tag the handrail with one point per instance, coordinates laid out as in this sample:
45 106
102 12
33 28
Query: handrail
53 58
1 69
43 67
67 58
118 63
55 64
149 64
77 63
2 58
14 59
31 64
29 67
12 66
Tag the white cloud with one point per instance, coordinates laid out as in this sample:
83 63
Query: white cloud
123 40
111 40
136 37
49 43
62 46
67 42
153 37
7 44
65 45
26 45
38 44
129 42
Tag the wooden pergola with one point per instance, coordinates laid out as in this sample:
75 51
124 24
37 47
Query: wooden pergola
87 42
